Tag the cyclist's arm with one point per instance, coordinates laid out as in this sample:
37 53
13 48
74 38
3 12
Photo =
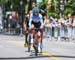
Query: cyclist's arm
24 26
30 20
41 20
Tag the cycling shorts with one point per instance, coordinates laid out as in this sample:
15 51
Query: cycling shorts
36 25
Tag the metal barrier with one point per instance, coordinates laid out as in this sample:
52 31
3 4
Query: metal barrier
64 33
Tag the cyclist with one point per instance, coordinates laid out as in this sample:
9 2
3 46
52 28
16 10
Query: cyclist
36 21
25 25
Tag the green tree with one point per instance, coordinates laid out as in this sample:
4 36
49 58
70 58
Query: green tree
70 7
54 9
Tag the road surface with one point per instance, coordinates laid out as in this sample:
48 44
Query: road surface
12 48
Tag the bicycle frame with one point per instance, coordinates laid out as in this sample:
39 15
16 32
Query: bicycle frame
36 40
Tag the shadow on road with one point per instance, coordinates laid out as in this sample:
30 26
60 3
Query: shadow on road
63 56
31 57
34 57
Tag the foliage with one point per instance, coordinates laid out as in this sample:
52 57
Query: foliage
69 6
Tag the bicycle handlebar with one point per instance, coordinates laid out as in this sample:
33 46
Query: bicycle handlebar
36 28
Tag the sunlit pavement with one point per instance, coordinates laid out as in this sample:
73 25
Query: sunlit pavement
12 48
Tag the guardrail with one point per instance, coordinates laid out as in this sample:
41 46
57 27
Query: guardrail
63 33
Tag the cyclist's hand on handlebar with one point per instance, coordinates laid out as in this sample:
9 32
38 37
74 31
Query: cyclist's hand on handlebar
32 26
41 27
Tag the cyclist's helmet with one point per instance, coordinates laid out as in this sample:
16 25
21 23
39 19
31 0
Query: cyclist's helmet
35 10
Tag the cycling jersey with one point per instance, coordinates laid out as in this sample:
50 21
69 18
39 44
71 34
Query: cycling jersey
27 23
36 19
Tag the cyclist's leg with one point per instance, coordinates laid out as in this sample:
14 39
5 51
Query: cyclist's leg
40 38
31 31
41 46
26 35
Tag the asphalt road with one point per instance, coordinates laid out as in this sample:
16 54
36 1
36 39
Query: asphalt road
12 48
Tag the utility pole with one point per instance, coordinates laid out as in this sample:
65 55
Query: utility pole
61 8
21 14
1 18
55 6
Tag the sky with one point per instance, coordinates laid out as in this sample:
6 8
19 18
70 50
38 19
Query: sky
39 0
